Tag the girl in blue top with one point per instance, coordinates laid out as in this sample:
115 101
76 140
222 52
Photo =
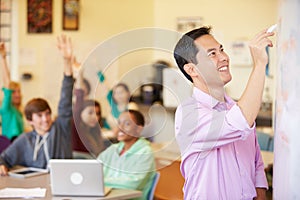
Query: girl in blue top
12 118
119 101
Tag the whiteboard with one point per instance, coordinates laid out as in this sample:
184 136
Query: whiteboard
286 174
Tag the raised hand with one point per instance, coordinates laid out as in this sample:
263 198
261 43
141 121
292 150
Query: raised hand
258 47
251 98
4 66
2 49
64 45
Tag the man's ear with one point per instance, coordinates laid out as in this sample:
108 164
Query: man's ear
190 69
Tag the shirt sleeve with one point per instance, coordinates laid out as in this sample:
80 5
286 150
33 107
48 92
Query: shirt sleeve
14 154
109 97
77 108
65 106
65 102
204 129
260 175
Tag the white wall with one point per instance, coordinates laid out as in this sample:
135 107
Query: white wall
231 20
98 22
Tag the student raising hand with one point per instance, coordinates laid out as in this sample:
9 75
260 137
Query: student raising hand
64 45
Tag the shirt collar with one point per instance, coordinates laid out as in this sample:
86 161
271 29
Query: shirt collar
208 100
132 149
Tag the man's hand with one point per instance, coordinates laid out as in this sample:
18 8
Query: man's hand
3 170
251 98
258 48
261 194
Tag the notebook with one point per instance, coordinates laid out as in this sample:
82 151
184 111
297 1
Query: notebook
76 177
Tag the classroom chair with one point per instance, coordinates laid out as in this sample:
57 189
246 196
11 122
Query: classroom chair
170 183
153 187
265 141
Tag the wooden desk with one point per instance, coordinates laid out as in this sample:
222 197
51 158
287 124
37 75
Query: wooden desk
43 181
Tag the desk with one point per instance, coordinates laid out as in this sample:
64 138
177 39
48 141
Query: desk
43 181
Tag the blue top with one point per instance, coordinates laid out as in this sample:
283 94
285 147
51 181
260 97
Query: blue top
12 119
114 107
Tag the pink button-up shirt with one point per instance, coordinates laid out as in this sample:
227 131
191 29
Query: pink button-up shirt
220 155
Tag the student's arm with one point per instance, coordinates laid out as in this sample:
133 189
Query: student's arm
79 95
6 102
64 45
14 154
105 87
5 70
251 98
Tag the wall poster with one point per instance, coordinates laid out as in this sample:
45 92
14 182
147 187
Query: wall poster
39 16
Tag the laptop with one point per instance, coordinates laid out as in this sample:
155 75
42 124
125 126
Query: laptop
76 177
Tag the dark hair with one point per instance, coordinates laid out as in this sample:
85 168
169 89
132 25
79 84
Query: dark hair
124 85
35 105
138 117
87 85
90 102
94 103
185 50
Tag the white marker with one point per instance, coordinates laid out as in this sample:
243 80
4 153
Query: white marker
272 28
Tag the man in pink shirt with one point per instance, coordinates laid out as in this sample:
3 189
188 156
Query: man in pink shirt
220 155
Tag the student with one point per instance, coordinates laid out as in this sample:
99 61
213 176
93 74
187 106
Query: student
129 163
118 99
86 131
221 158
12 117
49 139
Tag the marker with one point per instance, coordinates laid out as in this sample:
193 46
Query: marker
272 28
